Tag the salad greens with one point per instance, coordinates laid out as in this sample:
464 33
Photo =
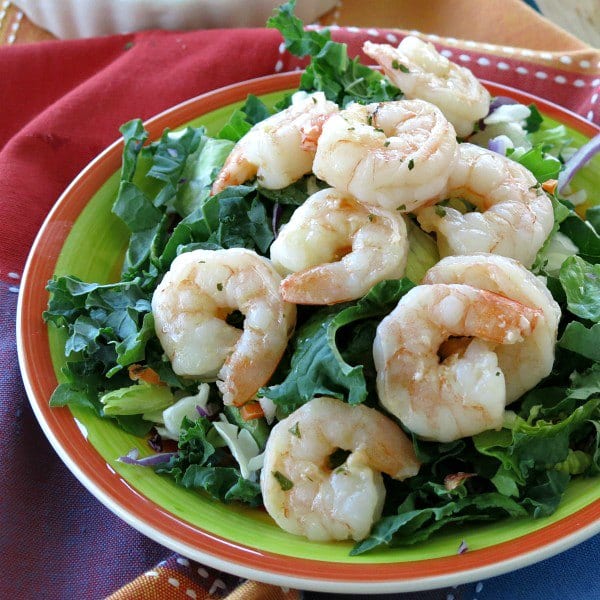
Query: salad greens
550 435
330 70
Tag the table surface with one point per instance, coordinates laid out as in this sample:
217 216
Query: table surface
579 17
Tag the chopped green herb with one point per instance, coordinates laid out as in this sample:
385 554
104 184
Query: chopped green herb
440 211
402 207
411 164
295 430
220 287
386 143
283 481
399 66
371 217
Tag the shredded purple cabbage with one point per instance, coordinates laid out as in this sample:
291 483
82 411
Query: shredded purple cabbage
577 161
462 548
498 145
131 458
155 442
277 212
499 101
210 410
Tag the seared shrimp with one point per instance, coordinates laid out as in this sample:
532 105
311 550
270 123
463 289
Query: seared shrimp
395 155
421 72
525 363
301 491
191 306
515 215
462 395
280 149
337 249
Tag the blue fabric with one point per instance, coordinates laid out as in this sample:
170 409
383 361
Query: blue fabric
533 4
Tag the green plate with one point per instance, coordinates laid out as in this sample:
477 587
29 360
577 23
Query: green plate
239 539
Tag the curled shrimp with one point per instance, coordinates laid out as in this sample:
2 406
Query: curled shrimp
464 394
395 155
336 249
191 307
527 362
280 149
515 215
420 71
306 496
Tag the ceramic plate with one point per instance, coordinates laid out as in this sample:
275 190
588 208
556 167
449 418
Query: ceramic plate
82 237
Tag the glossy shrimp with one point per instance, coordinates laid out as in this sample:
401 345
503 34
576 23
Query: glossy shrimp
395 155
336 249
420 71
301 490
191 308
464 394
280 149
514 215
527 362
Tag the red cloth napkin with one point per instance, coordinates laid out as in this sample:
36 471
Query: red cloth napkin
61 104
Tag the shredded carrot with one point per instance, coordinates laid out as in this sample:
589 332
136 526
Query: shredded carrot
251 410
550 185
145 374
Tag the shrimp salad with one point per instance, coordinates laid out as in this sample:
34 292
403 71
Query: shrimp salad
371 309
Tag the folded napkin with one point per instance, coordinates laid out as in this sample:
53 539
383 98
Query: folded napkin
62 103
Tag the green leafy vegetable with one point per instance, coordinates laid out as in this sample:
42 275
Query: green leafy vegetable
581 282
331 71
318 366
198 465
241 121
412 525
534 120
584 235
137 399
543 166
582 340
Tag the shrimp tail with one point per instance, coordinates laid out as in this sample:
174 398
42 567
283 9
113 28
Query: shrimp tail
317 285
311 131
236 170
501 320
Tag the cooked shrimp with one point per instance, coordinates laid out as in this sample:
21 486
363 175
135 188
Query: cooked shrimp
524 363
280 149
396 155
337 249
191 306
421 72
462 395
301 491
515 215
